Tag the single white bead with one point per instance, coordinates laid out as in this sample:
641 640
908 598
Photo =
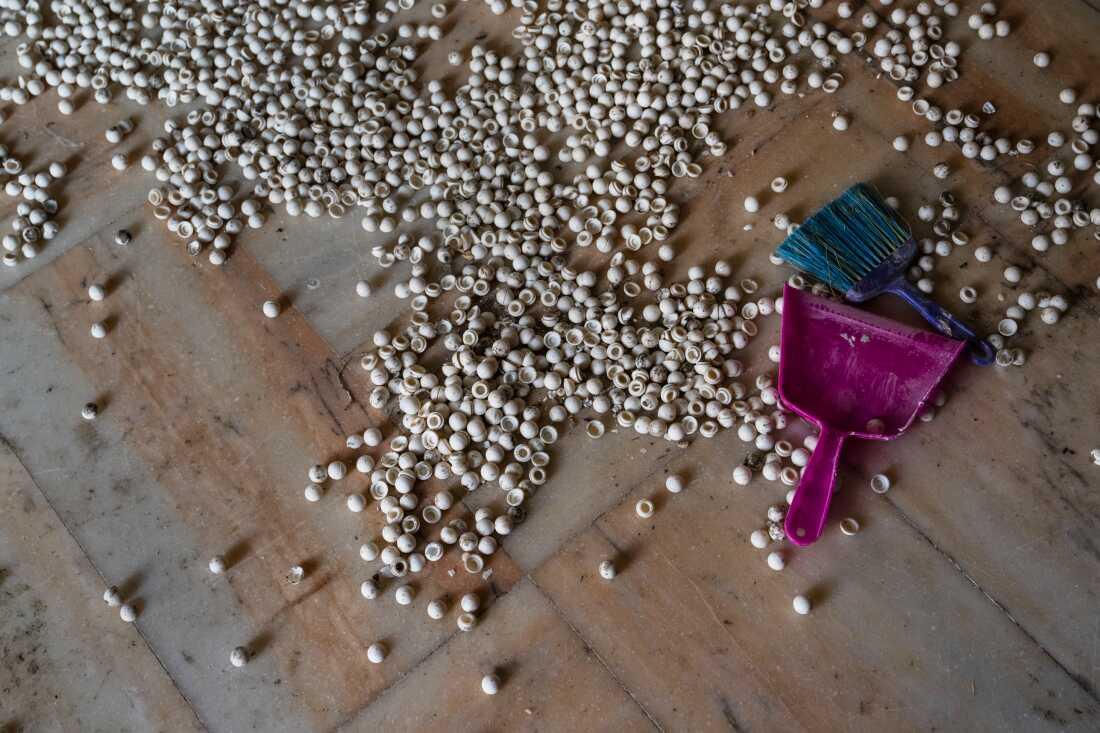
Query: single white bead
607 570
217 565
98 330
840 122
403 595
776 561
313 493
742 475
470 603
127 613
238 657
356 503
759 539
1041 59
376 653
112 597
801 605
363 289
436 609
337 470
368 589
901 143
490 684
271 309
674 484
96 292
752 205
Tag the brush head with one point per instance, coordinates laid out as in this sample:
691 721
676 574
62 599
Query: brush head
847 239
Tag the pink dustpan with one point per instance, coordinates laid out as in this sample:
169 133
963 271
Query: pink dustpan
852 374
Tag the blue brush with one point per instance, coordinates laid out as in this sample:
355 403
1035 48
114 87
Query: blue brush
860 246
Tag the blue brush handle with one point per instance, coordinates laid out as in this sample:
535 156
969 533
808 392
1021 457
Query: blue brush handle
980 351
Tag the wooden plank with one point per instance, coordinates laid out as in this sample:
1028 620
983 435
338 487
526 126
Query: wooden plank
702 631
975 572
229 474
549 680
67 662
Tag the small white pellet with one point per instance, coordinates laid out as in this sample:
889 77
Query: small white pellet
238 657
436 609
376 653
759 539
490 684
271 309
801 605
607 570
217 565
127 613
776 561
674 484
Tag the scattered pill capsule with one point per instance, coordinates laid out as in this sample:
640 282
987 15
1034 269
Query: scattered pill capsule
337 470
403 595
376 653
112 597
490 684
436 609
238 657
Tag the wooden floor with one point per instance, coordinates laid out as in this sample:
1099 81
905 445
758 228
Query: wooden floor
969 602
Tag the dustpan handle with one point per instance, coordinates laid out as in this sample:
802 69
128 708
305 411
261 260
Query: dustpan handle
810 506
981 352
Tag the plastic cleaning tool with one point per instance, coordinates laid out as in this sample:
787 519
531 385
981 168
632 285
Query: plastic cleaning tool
852 374
859 245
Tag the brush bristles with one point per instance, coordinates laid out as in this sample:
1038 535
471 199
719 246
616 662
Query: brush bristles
847 239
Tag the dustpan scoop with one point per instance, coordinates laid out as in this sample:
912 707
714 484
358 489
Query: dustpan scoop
852 374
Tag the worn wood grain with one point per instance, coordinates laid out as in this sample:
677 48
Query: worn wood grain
968 601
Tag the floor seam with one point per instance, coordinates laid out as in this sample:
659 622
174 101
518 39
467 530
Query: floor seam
34 482
596 654
1079 680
